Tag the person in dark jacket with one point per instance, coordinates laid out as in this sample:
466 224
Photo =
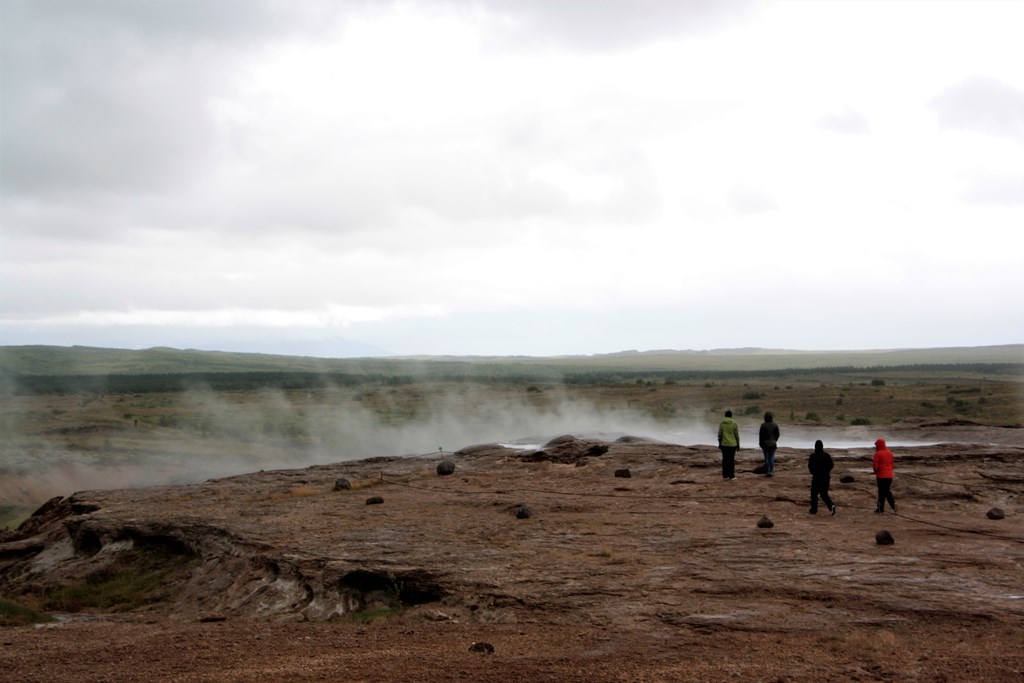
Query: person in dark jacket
768 440
819 464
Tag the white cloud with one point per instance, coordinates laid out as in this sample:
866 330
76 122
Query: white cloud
982 104
996 190
848 122
434 173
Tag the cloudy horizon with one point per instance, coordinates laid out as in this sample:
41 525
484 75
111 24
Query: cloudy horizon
489 177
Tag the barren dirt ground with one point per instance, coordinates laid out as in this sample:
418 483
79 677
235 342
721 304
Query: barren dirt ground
661 576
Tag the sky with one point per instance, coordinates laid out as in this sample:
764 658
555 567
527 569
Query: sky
511 177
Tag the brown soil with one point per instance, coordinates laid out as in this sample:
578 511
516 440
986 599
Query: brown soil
661 576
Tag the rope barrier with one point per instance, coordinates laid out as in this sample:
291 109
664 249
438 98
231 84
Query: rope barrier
977 532
626 496
585 494
934 481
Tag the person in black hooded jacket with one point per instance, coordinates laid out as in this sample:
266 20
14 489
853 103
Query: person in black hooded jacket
768 440
819 464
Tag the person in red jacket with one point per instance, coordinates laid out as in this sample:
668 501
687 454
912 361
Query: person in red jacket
883 468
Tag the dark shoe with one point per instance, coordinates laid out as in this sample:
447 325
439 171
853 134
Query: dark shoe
832 510
812 512
878 512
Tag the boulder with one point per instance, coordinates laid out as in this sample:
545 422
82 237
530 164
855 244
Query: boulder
342 485
883 537
623 473
445 467
765 523
996 513
566 450
374 500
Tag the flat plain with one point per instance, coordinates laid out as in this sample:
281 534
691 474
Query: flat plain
268 570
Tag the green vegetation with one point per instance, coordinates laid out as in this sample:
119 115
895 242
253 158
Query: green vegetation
138 578
11 515
14 614
158 364
366 616
529 375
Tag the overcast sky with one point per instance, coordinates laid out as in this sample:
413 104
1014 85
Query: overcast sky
537 177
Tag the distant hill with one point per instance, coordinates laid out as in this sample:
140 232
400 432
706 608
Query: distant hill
81 360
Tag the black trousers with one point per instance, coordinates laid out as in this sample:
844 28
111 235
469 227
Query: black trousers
885 494
819 487
728 461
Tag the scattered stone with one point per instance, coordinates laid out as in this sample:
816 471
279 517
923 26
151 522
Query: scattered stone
212 617
623 473
445 467
846 479
523 512
996 513
883 537
765 523
760 469
374 500
486 648
342 485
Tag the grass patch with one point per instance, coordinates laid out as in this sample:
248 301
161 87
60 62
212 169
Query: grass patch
11 516
366 616
14 614
140 577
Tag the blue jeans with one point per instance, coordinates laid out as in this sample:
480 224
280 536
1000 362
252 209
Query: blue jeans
769 460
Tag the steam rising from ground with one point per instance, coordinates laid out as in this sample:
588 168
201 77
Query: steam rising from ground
443 422
200 434
141 440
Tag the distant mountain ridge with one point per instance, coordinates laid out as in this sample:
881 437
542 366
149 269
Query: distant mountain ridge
81 360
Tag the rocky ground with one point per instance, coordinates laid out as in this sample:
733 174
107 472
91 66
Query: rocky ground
554 564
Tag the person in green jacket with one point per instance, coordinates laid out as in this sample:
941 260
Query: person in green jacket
728 443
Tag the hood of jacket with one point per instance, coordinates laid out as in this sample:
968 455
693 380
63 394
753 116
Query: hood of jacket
880 444
819 446
768 417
